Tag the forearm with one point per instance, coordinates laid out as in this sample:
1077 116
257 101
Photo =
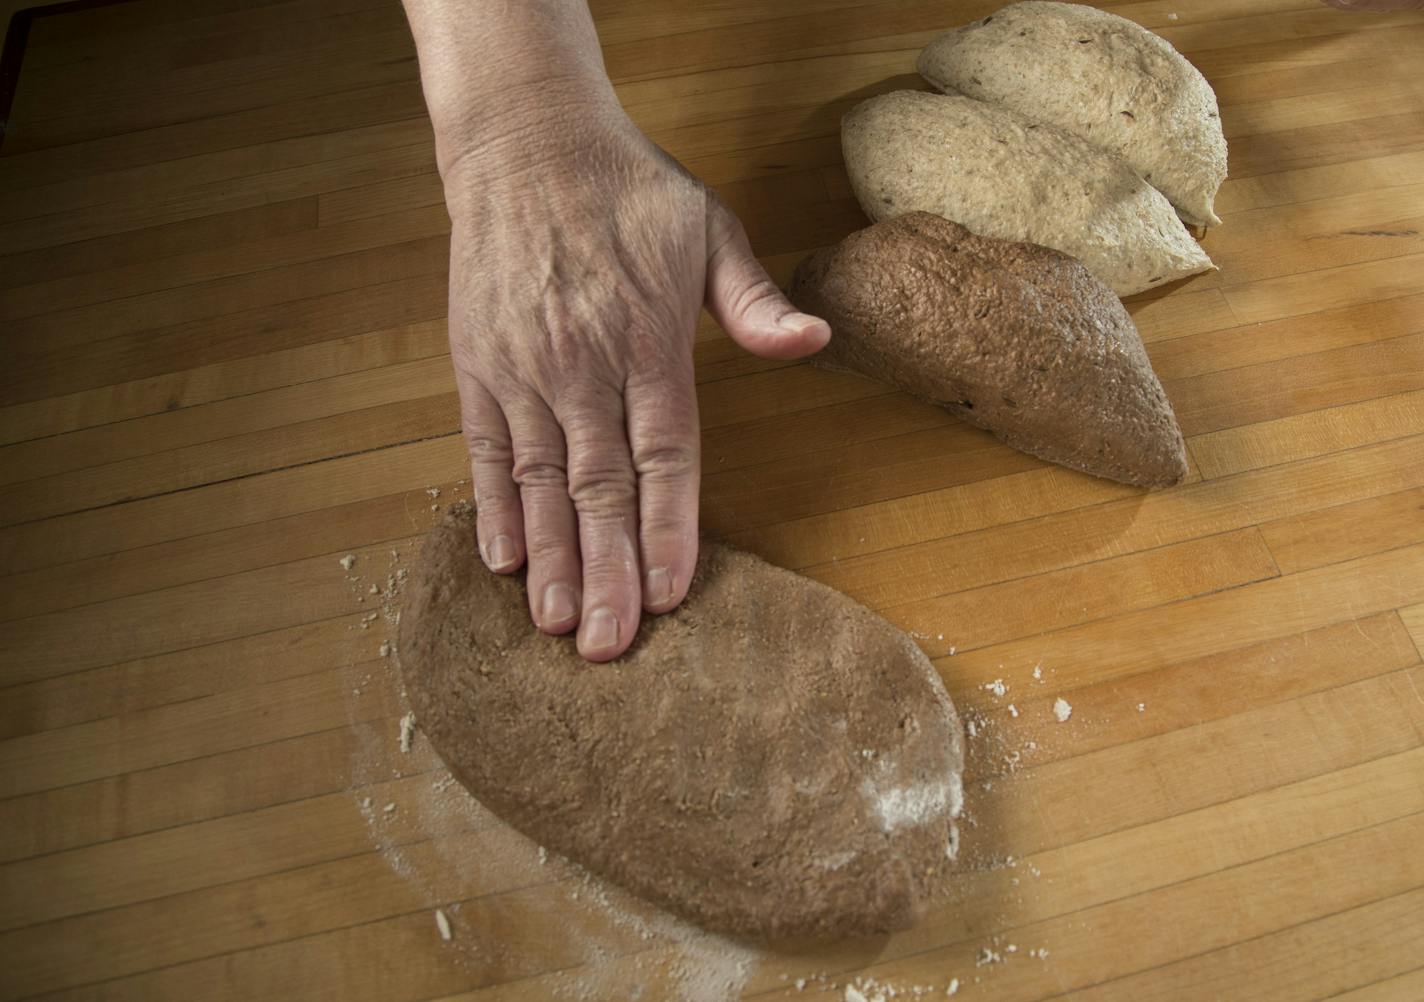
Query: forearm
502 76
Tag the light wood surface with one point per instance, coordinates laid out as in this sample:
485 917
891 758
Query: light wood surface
222 284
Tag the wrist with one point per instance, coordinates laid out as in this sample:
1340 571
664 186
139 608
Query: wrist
499 76
521 124
545 154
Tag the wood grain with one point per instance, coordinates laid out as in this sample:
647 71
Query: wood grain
222 308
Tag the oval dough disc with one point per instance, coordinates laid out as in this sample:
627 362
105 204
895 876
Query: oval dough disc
1012 337
1005 176
770 759
1101 77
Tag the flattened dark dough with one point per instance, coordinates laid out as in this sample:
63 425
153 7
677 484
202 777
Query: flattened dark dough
771 759
1011 337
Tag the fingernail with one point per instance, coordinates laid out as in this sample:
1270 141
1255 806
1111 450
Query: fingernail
500 553
657 586
600 629
559 604
798 321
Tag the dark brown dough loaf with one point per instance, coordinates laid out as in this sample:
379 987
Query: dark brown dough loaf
1012 337
771 759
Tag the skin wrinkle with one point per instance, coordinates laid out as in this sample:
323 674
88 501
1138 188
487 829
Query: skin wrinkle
579 258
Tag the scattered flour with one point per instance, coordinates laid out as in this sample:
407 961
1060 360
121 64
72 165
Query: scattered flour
997 687
866 989
1062 709
348 561
915 805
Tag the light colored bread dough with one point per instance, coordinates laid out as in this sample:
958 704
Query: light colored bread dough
1011 337
769 759
1004 176
1102 78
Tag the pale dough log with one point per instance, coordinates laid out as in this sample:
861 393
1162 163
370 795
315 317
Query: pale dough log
1003 175
1102 78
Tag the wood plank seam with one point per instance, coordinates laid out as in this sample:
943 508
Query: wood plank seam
781 992
354 616
1088 508
244 476
899 958
407 539
319 378
376 664
1250 939
1254 531
392 720
1359 994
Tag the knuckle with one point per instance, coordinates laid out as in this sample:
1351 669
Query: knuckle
602 487
667 460
535 470
487 450
754 294
590 396
673 530
609 568
547 547
494 505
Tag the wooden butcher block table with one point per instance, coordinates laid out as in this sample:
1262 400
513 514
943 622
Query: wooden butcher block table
223 291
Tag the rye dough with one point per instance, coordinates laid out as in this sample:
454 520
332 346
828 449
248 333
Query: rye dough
770 759
1012 337
1003 175
1102 78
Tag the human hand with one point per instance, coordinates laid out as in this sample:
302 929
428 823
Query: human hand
577 267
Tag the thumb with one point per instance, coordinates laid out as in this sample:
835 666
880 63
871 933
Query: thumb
742 297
